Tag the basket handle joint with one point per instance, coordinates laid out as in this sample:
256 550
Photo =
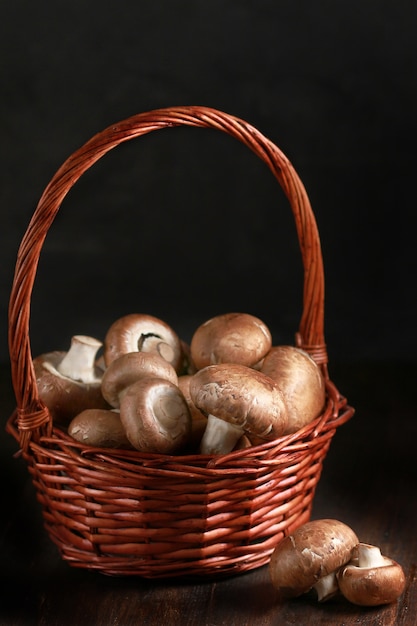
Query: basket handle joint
30 421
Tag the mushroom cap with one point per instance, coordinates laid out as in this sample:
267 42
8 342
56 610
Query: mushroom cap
198 419
241 396
230 338
155 416
371 586
139 332
311 552
130 367
301 382
99 428
63 396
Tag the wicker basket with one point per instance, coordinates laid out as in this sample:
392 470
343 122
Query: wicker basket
127 513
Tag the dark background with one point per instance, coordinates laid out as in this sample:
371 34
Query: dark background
187 223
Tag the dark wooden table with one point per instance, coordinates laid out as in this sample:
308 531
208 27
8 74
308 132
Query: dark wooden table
368 482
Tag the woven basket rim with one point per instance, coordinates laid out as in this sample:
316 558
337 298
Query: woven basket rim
336 413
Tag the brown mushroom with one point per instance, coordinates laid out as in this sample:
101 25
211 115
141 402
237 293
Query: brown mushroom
69 382
230 338
371 579
143 333
188 366
155 416
198 419
237 400
130 367
301 382
310 558
100 428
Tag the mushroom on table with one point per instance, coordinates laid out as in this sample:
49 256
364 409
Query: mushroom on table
370 578
310 558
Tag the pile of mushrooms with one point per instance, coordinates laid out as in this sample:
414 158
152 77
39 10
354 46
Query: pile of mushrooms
327 557
149 390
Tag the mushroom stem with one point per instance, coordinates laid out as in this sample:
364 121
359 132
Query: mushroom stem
220 437
369 556
79 362
326 587
155 343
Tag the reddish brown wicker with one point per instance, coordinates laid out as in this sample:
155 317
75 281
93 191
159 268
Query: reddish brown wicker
128 513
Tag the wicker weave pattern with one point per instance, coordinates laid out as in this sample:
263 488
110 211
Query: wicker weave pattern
128 513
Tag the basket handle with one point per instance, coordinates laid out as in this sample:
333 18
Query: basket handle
32 415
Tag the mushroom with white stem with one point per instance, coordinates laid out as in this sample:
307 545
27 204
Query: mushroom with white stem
155 416
230 338
310 557
69 382
301 382
370 578
130 367
237 400
138 332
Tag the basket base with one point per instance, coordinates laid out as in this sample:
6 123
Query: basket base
205 568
